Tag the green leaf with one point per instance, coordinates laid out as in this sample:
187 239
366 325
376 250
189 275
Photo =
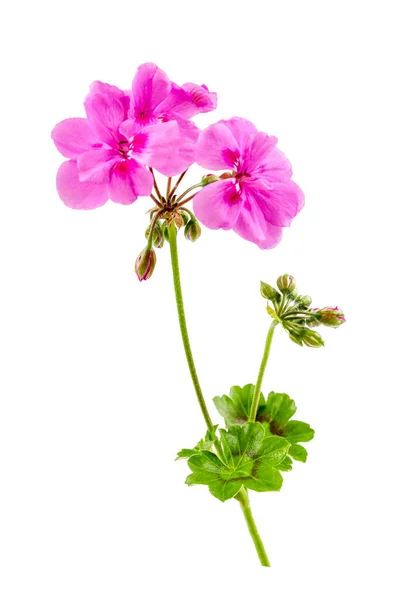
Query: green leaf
250 458
286 464
235 408
186 453
204 444
298 452
278 410
297 431
275 415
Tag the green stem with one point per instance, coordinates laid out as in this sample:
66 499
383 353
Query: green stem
181 176
257 389
184 332
193 187
243 498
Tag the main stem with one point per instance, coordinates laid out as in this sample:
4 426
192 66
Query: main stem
243 498
184 332
257 389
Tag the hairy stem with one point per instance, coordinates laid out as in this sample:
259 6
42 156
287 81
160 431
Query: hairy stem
185 335
157 190
257 389
192 187
181 176
243 498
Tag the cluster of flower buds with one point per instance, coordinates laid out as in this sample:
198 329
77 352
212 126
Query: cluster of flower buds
294 312
157 233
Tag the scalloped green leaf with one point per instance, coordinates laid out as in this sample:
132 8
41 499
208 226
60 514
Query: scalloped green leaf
275 414
204 444
235 408
250 458
298 452
286 464
297 431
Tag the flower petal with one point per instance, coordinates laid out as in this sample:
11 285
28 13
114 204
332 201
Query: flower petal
252 226
98 87
264 159
218 204
217 148
202 99
242 130
187 101
78 194
129 180
281 203
105 114
158 146
178 102
73 136
149 88
95 165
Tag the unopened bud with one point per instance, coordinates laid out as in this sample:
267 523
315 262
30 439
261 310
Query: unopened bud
296 338
311 338
286 283
145 263
210 178
158 238
269 293
165 232
185 217
304 301
331 316
192 231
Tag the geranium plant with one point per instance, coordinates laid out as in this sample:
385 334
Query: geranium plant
113 154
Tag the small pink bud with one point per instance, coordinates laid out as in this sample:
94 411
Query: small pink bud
192 231
145 264
210 178
331 316
286 283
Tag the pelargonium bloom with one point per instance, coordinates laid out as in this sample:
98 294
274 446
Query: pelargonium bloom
257 198
123 133
156 99
105 162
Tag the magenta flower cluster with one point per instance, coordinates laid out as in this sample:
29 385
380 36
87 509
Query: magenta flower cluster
125 133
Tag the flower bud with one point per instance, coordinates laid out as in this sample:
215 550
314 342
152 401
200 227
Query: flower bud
165 232
311 338
158 237
296 338
303 301
269 293
192 231
145 263
210 178
286 283
331 316
185 217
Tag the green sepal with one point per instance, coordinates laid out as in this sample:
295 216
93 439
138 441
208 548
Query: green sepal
250 458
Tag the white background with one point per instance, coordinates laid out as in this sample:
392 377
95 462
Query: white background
95 395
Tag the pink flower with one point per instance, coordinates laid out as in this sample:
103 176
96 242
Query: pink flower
259 198
155 99
124 132
105 162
